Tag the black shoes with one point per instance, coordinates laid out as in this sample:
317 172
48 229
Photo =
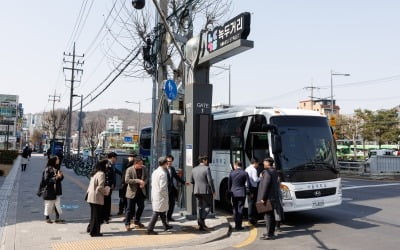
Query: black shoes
239 228
97 235
265 237
168 227
170 219
151 232
49 221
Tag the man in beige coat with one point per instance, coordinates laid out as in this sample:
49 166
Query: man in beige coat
136 180
159 196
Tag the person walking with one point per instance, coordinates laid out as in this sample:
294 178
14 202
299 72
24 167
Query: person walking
203 190
173 180
136 179
57 208
237 188
252 185
159 196
123 202
109 182
25 156
95 197
49 179
268 190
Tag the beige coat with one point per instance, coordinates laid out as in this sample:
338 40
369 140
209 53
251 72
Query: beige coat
133 182
96 190
159 190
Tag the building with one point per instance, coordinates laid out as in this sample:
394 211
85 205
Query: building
114 125
11 120
320 105
31 122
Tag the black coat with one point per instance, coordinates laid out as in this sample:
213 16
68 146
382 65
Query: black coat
269 189
49 182
109 175
237 182
171 178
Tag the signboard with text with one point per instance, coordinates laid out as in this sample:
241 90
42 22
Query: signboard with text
235 29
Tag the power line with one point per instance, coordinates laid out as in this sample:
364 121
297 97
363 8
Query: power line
77 23
115 77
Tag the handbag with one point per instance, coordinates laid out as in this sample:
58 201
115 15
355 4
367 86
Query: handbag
263 207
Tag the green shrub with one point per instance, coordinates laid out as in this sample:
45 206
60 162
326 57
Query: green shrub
8 157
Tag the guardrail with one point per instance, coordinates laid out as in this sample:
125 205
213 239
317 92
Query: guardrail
353 167
384 165
377 165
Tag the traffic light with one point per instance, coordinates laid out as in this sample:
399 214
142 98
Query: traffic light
138 4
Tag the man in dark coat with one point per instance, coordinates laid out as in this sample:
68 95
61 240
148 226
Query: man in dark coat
110 182
237 188
268 190
203 190
173 180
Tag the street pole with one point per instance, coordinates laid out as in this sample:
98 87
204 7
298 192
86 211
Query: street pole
334 74
72 80
138 125
70 104
80 128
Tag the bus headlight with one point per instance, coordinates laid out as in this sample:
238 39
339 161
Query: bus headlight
285 192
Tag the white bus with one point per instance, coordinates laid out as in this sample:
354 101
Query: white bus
300 141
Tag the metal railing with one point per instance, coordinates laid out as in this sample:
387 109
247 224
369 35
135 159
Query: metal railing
81 166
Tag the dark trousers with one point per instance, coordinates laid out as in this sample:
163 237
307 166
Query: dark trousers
204 204
238 204
154 219
171 201
270 223
96 212
251 202
123 202
23 167
107 207
130 211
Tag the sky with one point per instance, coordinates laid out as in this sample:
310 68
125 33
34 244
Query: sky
296 45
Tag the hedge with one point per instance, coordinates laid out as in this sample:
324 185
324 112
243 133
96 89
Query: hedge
8 157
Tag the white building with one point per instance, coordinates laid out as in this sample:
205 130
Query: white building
114 125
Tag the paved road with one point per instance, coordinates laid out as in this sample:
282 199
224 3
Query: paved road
367 219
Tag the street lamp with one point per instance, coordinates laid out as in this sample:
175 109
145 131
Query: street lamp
138 103
229 79
334 74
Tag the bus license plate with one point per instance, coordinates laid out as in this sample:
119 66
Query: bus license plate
318 203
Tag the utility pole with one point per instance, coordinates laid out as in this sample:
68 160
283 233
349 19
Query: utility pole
312 94
53 98
80 128
73 69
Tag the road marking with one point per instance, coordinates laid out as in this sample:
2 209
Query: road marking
368 186
346 199
252 237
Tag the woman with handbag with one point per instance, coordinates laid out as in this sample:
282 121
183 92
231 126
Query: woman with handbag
268 192
50 178
95 197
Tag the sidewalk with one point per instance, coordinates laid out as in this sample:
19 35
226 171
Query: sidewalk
25 227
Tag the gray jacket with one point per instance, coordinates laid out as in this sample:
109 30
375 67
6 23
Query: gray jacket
201 178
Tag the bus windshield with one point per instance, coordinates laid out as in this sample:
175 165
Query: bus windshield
307 143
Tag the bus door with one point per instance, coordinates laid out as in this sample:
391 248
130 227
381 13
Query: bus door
236 150
259 146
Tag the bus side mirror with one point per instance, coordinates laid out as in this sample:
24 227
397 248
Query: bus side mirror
276 144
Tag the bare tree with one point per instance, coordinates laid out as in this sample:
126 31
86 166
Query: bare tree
36 138
54 122
91 132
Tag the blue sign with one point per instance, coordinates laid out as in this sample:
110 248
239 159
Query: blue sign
127 139
171 90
